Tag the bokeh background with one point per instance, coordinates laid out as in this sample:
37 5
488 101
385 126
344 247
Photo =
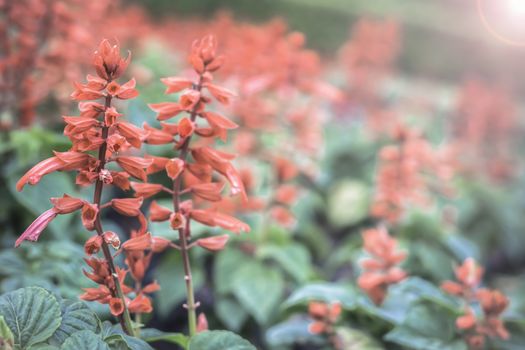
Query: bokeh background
323 105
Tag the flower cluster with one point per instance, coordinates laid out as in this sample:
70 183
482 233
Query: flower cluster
100 128
493 303
408 171
325 317
280 90
381 269
192 172
45 44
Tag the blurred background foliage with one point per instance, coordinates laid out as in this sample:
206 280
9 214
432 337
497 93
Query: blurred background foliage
259 286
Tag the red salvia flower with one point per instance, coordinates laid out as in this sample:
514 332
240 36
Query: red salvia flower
381 269
493 303
100 128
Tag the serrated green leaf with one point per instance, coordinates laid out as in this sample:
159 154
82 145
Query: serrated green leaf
322 292
126 342
402 295
115 337
76 316
428 326
84 340
293 258
219 340
6 336
32 314
259 289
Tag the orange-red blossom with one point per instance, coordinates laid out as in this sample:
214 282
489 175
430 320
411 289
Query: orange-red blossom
381 269
99 127
493 303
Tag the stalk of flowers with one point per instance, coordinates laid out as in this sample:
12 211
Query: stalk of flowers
272 98
493 303
99 129
368 58
325 317
192 170
408 171
485 115
381 269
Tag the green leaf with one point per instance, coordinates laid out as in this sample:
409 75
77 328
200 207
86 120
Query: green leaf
6 336
153 335
293 258
227 263
43 346
169 273
259 289
402 295
11 263
76 316
219 340
32 314
118 340
352 339
291 332
322 292
230 313
348 203
517 337
428 326
84 340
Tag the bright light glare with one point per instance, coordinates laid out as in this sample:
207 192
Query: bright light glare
517 8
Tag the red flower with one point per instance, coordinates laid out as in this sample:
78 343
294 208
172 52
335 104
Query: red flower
158 212
34 175
131 133
116 306
209 191
221 94
89 215
156 137
176 84
67 204
127 206
134 166
166 110
219 121
211 218
185 128
174 167
177 220
138 243
141 304
92 245
146 190
213 244
381 269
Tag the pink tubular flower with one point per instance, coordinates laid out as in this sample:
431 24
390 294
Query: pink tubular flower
32 233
